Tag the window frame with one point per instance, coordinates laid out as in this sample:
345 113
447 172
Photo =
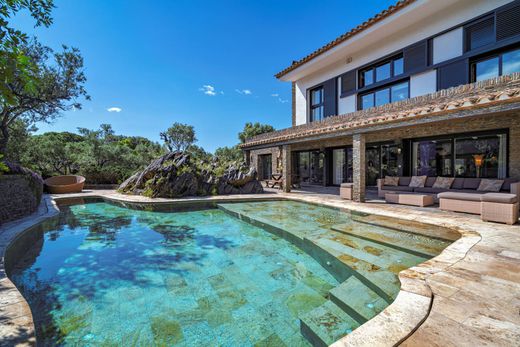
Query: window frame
312 107
372 68
452 138
473 63
375 90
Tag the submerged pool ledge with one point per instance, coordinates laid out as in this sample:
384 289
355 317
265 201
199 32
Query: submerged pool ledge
390 327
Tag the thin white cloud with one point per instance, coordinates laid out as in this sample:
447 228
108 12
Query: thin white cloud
209 90
278 98
244 91
114 109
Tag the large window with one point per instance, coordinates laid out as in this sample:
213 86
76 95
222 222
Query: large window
309 166
496 65
432 158
317 105
481 156
382 71
385 95
461 156
341 165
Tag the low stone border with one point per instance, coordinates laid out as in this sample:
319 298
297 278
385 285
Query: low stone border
392 326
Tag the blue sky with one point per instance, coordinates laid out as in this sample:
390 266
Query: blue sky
206 63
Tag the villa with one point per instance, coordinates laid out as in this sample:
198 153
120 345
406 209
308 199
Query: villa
423 88
421 102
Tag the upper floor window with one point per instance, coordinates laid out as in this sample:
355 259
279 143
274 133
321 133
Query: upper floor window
496 65
317 104
393 93
382 71
480 33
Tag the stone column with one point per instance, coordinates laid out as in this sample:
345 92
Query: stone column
287 168
359 166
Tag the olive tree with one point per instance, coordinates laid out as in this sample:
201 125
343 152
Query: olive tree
179 137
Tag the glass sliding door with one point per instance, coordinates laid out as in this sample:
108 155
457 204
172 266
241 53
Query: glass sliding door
302 166
266 166
481 156
339 162
373 165
432 158
389 160
309 166
317 166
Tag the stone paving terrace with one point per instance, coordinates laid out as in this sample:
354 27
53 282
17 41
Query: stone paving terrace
469 295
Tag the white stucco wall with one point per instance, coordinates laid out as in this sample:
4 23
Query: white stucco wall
456 12
448 45
300 104
423 83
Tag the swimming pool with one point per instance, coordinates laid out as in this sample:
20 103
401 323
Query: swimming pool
268 273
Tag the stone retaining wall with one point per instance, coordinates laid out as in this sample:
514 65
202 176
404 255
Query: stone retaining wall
20 196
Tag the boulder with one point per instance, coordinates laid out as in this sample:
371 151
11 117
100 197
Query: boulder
175 175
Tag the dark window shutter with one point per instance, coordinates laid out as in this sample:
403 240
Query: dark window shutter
329 97
348 82
415 57
508 22
453 74
480 34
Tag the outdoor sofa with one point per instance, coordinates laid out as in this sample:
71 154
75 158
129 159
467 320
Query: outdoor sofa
459 185
493 200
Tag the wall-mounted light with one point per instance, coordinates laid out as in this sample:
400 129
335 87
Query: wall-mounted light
348 60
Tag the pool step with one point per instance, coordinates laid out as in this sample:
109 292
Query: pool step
326 324
407 226
369 269
358 300
403 241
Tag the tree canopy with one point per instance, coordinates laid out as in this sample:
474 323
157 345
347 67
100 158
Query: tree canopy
251 130
179 137
59 85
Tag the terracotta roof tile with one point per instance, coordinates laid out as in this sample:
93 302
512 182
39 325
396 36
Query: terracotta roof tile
504 89
363 26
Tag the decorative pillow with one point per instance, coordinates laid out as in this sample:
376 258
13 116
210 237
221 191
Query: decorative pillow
391 181
443 182
418 181
490 185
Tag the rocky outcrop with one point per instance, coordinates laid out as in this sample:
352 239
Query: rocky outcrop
176 175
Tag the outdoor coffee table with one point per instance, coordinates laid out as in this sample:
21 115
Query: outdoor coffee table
421 200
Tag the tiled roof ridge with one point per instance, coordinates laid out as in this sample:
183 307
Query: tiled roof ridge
361 27
474 94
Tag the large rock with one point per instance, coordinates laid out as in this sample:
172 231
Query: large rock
175 175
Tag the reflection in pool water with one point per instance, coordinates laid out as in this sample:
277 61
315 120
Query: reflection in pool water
107 275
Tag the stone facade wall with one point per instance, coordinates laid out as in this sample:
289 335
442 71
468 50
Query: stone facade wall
509 121
276 156
20 196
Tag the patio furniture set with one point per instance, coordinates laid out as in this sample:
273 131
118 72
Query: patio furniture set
494 200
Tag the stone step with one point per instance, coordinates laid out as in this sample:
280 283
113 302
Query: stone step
434 231
357 300
326 324
419 245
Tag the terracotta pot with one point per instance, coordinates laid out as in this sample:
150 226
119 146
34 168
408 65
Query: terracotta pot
65 184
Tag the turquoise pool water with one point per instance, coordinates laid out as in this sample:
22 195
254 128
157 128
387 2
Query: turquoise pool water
103 274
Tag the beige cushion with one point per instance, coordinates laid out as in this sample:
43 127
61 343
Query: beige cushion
391 181
417 181
490 185
443 182
502 198
460 196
